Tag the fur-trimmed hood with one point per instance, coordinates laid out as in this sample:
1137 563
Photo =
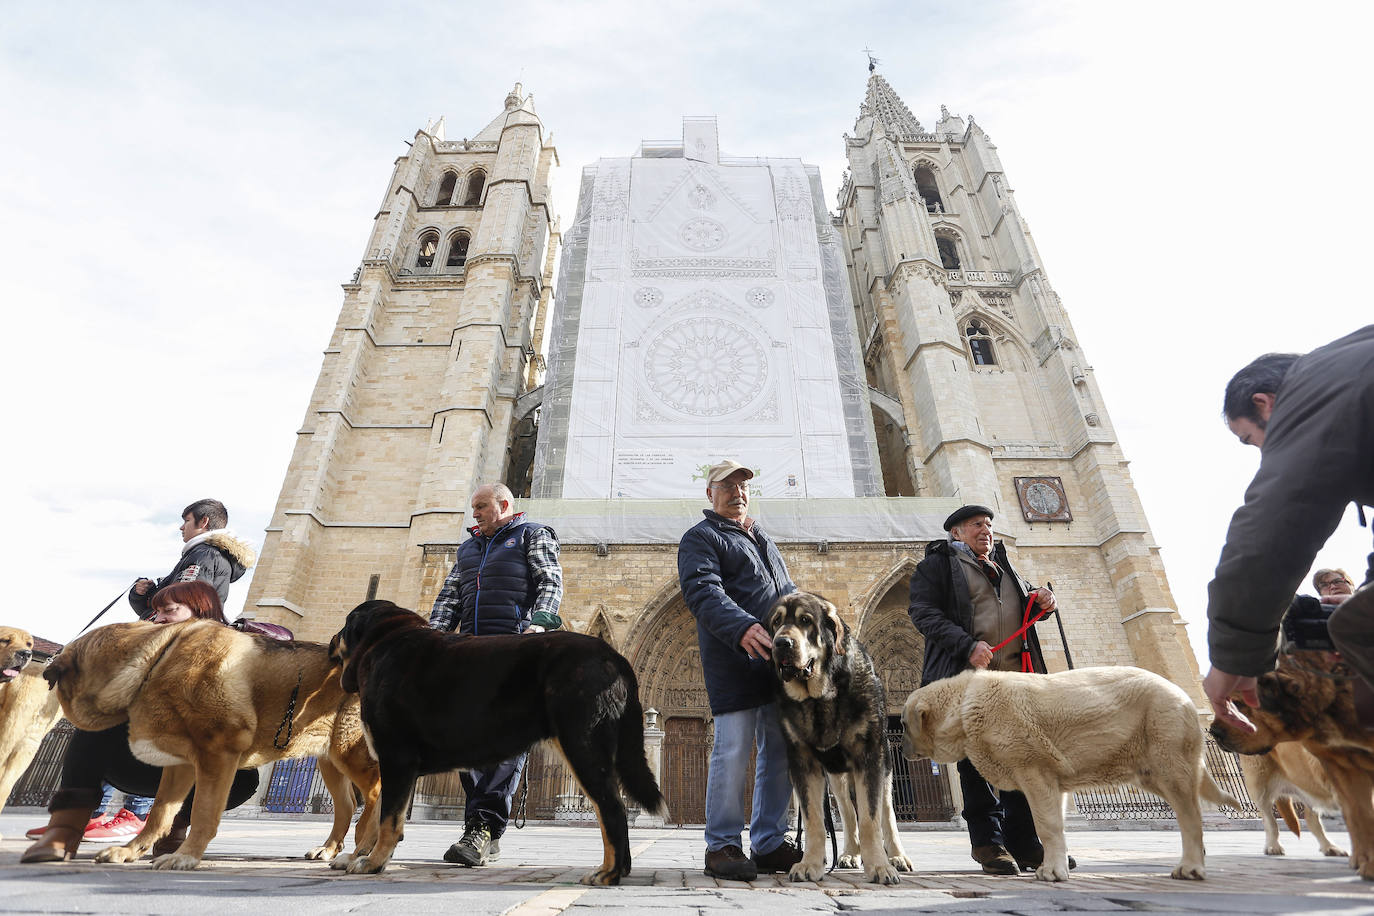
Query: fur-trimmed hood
240 551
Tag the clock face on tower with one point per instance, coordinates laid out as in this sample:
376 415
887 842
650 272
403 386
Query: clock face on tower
1042 499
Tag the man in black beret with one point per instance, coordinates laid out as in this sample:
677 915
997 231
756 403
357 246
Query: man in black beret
966 599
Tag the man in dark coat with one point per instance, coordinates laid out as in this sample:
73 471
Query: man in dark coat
506 579
731 576
210 552
1312 418
966 599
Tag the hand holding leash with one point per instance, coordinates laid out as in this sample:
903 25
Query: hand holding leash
981 656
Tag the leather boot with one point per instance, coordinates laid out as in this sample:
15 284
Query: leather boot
69 812
175 837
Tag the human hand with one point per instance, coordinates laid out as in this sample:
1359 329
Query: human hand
534 628
756 642
981 656
1220 686
142 585
1044 599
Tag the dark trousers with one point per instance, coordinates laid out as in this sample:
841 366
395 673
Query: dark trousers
95 757
490 791
1004 821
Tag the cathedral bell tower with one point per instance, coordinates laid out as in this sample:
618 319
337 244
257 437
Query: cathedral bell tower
979 388
419 398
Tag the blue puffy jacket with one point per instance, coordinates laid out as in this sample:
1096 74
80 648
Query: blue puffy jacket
730 582
504 591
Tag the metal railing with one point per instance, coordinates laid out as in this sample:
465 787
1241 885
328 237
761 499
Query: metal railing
1130 803
39 781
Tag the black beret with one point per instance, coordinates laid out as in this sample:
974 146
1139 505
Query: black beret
964 513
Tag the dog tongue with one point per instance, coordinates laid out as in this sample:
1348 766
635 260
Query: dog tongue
11 672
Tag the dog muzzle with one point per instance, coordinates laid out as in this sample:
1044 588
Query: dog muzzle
789 672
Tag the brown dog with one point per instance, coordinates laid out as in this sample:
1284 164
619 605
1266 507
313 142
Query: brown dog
1275 779
1309 699
27 709
203 700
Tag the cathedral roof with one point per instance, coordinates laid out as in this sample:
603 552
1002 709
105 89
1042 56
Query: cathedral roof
883 104
519 110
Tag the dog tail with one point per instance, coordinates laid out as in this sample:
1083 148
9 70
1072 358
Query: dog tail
635 776
1216 794
1284 804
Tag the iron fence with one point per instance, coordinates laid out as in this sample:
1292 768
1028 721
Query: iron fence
1130 803
39 781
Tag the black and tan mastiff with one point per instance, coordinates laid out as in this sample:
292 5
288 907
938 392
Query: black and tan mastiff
834 716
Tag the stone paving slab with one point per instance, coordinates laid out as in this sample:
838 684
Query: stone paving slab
255 863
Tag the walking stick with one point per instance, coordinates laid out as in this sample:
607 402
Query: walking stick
1063 640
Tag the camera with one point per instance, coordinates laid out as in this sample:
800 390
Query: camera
1304 626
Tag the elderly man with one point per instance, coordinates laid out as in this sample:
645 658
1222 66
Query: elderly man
731 575
1312 418
506 580
966 600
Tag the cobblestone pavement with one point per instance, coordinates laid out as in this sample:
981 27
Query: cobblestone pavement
254 863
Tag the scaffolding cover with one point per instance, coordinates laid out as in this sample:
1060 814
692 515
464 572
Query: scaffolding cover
703 312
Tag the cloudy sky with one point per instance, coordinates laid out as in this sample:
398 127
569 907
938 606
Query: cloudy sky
183 187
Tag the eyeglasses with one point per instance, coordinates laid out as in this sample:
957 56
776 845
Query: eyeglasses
742 487
1330 583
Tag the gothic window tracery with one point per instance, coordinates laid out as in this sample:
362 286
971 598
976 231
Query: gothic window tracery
457 249
446 187
929 190
949 252
429 245
980 342
476 181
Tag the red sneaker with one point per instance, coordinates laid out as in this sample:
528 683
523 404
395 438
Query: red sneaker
123 826
37 832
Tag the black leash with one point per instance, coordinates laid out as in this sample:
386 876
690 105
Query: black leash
829 828
104 609
288 720
520 820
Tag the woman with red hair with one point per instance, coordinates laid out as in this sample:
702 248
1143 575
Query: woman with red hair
93 758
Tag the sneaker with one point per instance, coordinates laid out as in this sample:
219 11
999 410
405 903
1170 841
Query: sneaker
779 860
125 825
995 860
35 833
473 849
729 862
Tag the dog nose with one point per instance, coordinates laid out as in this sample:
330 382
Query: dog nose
23 656
783 643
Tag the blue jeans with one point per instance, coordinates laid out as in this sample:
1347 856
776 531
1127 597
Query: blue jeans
736 733
489 793
136 804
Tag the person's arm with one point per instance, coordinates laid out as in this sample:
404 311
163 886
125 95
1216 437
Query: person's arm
698 571
930 594
444 615
541 555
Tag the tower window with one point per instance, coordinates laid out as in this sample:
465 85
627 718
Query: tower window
949 252
429 245
457 250
446 186
980 343
476 182
929 190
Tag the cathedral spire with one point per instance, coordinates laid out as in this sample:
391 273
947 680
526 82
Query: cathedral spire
883 103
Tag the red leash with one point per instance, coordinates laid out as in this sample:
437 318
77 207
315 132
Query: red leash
1029 622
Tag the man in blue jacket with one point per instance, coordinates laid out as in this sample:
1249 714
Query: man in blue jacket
506 580
731 576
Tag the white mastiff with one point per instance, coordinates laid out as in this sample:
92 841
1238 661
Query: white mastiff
1047 734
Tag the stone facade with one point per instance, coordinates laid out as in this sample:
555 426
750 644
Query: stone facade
431 382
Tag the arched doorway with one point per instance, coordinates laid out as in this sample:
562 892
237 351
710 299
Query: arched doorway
663 650
920 788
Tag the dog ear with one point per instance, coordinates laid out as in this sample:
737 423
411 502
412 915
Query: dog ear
837 626
58 666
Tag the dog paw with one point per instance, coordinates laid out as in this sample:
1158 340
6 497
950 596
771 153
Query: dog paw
601 878
807 871
118 854
342 861
175 861
1047 872
849 860
363 865
901 863
327 851
1274 849
883 874
1335 851
1186 872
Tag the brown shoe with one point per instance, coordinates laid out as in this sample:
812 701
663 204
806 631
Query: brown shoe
174 837
779 860
69 813
995 860
729 862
